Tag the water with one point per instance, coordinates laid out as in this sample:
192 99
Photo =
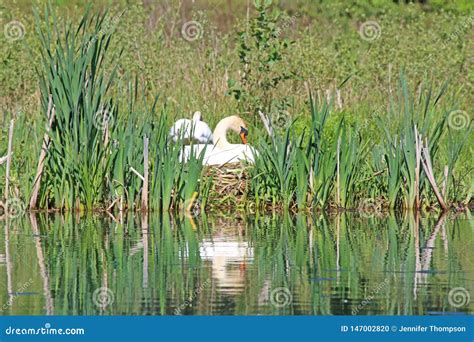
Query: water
266 265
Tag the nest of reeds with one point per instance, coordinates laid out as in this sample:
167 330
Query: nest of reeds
229 184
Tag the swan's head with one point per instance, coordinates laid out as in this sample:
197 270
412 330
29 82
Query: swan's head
243 134
197 116
238 125
234 123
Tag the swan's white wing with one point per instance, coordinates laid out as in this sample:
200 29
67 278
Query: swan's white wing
216 156
181 129
234 154
249 153
194 150
202 132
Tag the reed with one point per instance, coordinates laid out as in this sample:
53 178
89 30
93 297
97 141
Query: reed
72 73
95 159
323 163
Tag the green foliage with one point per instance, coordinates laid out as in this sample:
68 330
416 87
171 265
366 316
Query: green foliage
89 167
72 74
262 53
95 153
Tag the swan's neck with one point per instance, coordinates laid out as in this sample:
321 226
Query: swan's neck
220 132
197 116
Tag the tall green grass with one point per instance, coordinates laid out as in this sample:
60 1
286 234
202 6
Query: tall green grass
96 155
320 161
73 75
336 169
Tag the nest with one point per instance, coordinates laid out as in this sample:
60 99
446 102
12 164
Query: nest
229 186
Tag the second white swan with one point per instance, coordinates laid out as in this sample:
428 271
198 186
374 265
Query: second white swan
194 130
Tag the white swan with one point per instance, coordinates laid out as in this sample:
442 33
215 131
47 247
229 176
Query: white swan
194 130
222 152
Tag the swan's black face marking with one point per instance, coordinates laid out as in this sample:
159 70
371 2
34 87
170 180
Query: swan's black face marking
243 134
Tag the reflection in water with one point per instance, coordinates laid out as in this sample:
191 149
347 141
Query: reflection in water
228 261
162 265
42 267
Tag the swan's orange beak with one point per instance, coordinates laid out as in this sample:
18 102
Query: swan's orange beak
243 135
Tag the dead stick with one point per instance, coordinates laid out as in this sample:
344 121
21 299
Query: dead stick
338 193
418 148
266 123
445 181
45 275
145 250
428 167
145 175
9 163
42 157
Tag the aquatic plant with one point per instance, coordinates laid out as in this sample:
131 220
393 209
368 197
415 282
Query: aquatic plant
73 76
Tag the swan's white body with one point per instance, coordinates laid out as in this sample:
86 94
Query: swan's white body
193 130
213 155
222 152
